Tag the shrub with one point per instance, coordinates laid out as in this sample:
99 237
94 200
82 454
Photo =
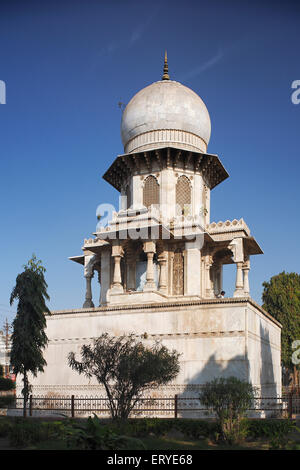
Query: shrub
5 425
23 433
93 435
268 427
230 399
7 384
6 400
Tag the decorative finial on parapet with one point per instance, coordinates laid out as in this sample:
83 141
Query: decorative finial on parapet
166 68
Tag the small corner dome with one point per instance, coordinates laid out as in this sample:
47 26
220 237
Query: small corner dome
165 113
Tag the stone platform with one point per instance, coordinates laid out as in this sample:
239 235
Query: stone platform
216 337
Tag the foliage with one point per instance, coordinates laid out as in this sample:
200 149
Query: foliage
5 425
6 400
193 428
93 435
268 427
29 337
116 435
6 384
229 398
281 298
24 433
126 367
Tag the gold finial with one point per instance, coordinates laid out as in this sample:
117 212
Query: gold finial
166 68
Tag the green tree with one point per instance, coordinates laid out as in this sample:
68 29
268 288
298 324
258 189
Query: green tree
28 337
229 398
125 367
281 298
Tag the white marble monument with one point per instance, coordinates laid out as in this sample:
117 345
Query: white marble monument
159 261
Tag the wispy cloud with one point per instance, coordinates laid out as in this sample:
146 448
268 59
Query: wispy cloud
205 66
138 32
132 38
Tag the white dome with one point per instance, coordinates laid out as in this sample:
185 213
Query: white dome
165 113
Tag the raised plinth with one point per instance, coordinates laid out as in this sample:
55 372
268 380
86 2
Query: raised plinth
215 337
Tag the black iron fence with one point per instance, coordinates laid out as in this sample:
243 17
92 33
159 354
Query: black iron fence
172 407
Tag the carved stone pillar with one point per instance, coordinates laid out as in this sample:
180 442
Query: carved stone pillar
117 254
217 279
162 274
88 303
239 283
246 269
88 274
149 249
209 291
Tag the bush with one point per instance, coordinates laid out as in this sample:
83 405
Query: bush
93 435
5 425
196 429
230 399
6 400
268 427
23 433
7 384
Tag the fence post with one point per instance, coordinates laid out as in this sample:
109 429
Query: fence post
30 405
176 406
72 406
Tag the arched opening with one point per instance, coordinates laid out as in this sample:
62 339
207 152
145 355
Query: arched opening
150 191
220 276
183 195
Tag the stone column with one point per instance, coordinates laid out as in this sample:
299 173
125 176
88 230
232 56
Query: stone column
88 303
149 249
162 274
192 268
209 293
88 274
246 269
217 279
239 283
117 254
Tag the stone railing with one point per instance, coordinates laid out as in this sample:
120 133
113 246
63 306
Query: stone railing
228 226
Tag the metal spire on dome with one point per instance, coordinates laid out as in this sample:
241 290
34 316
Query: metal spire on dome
166 68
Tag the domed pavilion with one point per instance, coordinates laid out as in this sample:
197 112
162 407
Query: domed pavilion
159 261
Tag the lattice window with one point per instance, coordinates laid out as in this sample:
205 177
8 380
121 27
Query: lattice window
183 194
150 191
178 273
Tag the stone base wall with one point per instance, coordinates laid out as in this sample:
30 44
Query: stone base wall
218 337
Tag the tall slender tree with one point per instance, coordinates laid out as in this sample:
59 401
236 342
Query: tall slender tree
28 337
281 298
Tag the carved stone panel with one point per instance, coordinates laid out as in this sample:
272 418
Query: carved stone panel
178 273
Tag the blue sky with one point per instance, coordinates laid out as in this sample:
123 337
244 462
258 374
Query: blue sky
67 65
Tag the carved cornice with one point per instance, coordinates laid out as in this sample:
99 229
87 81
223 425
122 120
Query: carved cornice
228 226
167 305
149 161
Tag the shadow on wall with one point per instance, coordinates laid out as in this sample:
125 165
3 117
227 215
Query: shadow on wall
267 378
238 367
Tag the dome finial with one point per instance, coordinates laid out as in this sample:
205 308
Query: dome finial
166 68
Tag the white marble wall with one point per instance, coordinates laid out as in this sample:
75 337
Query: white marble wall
214 339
